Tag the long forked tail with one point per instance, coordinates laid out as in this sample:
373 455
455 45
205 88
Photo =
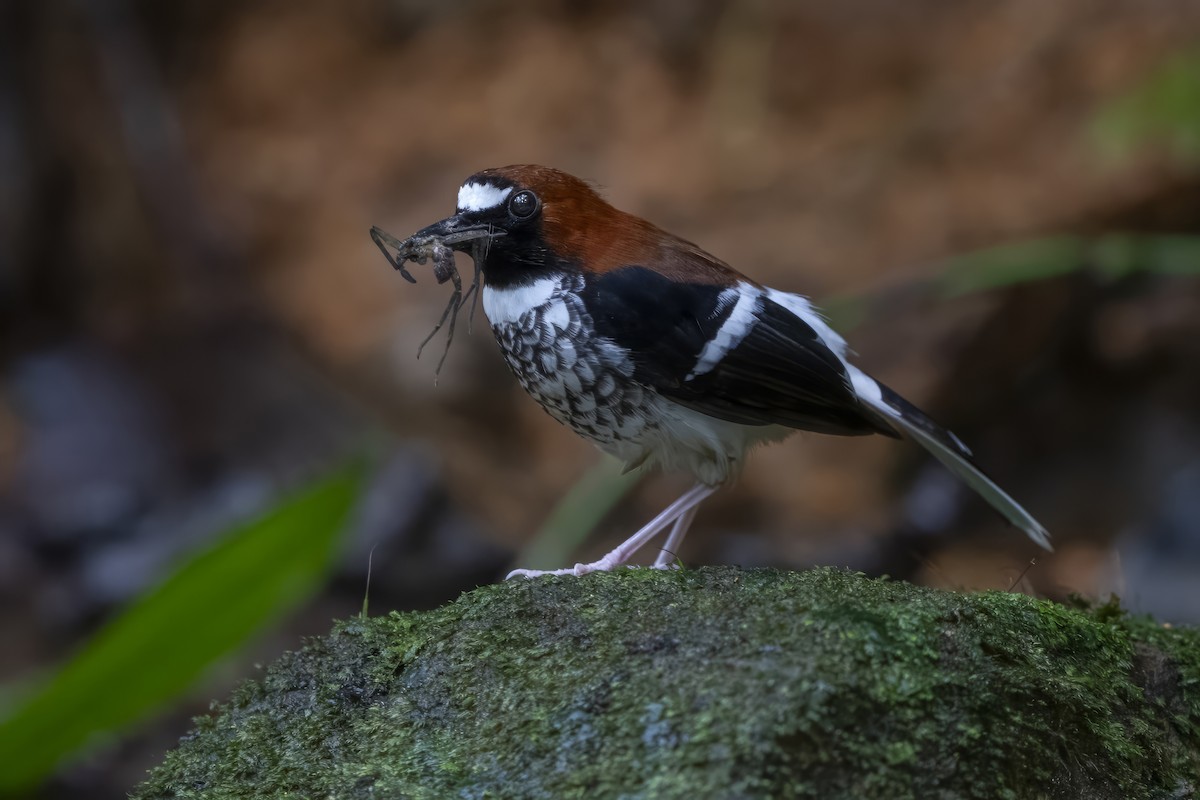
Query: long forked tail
945 447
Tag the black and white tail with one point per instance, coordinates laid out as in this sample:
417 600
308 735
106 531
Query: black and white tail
945 447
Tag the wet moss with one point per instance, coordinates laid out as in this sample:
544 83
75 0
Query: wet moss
714 683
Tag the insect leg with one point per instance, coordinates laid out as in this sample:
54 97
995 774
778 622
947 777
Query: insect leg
383 240
450 312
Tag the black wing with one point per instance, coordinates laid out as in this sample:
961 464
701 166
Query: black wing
781 373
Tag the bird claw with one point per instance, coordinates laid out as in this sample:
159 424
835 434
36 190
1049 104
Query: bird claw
535 573
579 569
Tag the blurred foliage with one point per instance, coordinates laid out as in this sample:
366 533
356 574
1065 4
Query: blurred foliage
1110 256
1162 111
1010 265
163 643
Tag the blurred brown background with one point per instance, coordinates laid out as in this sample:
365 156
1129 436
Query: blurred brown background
193 318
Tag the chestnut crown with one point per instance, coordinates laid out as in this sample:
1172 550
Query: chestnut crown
547 220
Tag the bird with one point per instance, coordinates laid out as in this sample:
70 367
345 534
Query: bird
662 354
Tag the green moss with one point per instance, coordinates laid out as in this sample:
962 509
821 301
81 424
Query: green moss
714 683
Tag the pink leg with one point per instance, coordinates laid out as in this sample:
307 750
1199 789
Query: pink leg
685 505
670 550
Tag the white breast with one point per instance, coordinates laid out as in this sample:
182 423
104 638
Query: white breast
505 306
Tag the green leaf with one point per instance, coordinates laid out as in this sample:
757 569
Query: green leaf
1011 264
162 644
1174 255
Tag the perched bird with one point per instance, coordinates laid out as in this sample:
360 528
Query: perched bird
662 354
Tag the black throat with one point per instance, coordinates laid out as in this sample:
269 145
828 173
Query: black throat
521 259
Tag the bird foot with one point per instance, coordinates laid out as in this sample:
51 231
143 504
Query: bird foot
603 565
584 569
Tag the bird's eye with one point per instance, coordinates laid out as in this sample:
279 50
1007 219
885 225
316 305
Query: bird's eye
523 205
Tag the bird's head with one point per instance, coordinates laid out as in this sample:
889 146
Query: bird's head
538 221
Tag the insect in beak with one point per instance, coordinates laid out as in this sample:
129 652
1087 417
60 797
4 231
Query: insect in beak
437 243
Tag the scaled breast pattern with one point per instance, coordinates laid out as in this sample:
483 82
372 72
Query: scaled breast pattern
582 380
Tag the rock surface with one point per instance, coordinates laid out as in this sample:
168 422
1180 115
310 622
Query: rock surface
714 683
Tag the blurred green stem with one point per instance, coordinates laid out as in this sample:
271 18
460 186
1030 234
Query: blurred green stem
577 514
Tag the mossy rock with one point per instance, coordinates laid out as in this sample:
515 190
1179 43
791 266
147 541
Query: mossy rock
714 683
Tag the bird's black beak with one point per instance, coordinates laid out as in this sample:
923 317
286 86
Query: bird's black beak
453 232
456 233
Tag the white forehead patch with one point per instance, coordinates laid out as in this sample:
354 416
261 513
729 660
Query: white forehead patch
480 196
